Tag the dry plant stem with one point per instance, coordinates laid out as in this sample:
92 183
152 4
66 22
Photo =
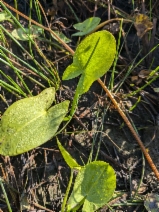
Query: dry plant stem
152 165
41 207
109 21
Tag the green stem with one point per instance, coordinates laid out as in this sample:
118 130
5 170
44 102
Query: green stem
142 176
141 88
117 56
77 19
16 7
5 196
74 104
67 192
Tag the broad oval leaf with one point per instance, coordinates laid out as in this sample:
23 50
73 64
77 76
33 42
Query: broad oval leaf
68 158
93 58
86 26
94 185
30 122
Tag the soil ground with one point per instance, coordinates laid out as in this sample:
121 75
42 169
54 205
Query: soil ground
37 180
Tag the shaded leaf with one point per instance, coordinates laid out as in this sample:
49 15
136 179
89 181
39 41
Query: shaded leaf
33 32
151 202
94 185
156 90
30 122
62 36
67 157
87 26
93 58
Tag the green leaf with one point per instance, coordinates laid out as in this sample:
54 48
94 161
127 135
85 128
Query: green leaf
62 36
87 26
33 32
4 16
30 122
95 185
68 158
93 58
151 202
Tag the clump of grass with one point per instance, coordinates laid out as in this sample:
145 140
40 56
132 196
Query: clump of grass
42 73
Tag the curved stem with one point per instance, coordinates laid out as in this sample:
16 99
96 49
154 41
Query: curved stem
109 21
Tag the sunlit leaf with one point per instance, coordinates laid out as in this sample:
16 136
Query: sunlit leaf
68 158
93 58
94 186
30 122
87 26
4 16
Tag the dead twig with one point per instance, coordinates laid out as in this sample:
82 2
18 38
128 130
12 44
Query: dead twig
150 161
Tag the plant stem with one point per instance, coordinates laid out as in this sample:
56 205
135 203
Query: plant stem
5 196
67 192
116 57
